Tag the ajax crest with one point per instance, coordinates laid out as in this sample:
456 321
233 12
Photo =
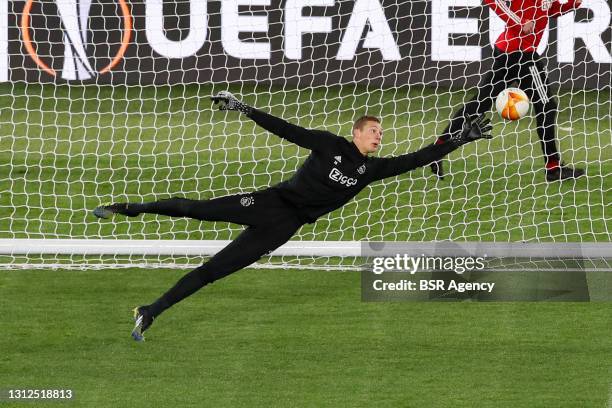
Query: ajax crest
247 201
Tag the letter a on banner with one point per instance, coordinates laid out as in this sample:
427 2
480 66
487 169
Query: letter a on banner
379 36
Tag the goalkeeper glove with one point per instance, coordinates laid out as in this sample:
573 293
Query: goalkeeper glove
226 101
473 130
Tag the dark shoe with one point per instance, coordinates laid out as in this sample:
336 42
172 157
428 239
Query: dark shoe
436 168
143 319
562 173
107 210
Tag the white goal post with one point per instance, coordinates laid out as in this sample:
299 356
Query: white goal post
499 257
590 250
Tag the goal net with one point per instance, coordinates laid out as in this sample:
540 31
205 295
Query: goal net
107 101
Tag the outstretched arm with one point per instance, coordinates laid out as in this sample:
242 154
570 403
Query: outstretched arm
557 9
393 166
306 138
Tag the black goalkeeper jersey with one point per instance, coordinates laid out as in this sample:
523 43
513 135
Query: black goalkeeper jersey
335 171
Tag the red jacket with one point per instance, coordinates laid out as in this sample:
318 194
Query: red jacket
516 13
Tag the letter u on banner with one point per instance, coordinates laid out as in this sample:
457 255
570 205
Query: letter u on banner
176 49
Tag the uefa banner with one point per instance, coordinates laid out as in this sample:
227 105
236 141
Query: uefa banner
288 43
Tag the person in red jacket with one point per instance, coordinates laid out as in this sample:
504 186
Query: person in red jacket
516 59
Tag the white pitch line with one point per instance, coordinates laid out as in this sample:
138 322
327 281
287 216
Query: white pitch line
565 129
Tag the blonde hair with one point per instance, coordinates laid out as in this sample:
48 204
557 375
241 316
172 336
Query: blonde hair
362 121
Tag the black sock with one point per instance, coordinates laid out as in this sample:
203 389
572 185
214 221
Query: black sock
186 286
163 207
126 209
172 207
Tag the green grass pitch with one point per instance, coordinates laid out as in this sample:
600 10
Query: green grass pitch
293 337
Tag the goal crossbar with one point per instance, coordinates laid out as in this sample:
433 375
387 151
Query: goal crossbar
306 248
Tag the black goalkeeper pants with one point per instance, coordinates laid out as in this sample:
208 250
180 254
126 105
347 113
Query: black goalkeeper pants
270 223
528 70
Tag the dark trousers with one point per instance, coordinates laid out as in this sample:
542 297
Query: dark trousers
270 223
527 69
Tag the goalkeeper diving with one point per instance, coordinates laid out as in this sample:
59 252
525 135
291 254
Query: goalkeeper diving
335 171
